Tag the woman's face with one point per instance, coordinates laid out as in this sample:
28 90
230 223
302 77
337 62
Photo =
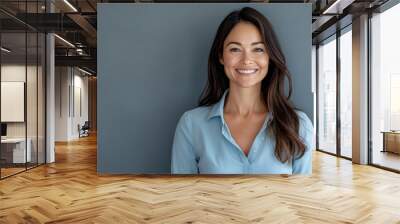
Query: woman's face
244 56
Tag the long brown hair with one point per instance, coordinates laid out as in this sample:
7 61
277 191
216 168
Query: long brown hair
285 122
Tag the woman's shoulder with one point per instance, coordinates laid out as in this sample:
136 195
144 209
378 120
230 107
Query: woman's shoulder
302 115
198 114
304 121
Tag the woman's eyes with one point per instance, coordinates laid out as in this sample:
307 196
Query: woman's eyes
258 49
234 49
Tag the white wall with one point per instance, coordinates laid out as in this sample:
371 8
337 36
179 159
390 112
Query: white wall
12 73
33 126
62 81
71 102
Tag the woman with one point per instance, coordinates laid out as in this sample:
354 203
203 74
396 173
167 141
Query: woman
245 123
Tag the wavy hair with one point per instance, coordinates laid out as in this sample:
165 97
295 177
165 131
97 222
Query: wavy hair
285 121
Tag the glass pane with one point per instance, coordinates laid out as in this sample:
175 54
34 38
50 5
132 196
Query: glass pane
346 94
385 83
31 101
327 96
13 86
41 98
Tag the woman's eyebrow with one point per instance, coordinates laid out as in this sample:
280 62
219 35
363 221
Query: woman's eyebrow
255 43
237 43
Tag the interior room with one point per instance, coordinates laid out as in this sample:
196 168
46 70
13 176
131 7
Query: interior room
64 158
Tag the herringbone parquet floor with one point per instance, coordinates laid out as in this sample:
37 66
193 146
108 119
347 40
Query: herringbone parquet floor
70 191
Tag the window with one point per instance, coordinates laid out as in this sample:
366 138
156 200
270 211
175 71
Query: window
327 95
22 77
346 92
385 88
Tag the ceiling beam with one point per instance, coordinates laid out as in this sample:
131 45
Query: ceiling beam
86 26
83 61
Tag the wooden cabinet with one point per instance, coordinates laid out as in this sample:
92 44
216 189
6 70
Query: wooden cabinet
391 142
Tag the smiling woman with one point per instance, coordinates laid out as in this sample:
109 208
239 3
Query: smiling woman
244 56
244 123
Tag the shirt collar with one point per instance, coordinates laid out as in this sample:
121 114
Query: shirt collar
218 108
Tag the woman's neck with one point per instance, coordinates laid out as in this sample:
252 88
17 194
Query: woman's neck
244 101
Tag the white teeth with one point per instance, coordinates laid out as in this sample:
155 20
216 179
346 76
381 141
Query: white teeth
246 71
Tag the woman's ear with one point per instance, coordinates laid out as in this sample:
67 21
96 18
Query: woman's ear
221 61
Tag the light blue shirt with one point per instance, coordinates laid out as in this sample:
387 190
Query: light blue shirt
203 144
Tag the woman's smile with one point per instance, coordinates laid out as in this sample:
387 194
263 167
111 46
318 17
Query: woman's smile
242 71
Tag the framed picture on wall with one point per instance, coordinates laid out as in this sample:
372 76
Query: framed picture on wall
12 101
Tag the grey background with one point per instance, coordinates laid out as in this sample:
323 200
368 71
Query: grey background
152 66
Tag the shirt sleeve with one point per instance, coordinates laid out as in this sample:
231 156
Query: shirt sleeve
183 159
303 165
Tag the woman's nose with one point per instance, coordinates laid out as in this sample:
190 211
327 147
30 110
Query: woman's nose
247 58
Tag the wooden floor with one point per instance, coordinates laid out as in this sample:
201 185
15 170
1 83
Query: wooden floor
9 171
5 172
387 159
70 191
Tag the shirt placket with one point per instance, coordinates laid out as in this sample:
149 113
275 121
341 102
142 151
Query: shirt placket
226 133
260 138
